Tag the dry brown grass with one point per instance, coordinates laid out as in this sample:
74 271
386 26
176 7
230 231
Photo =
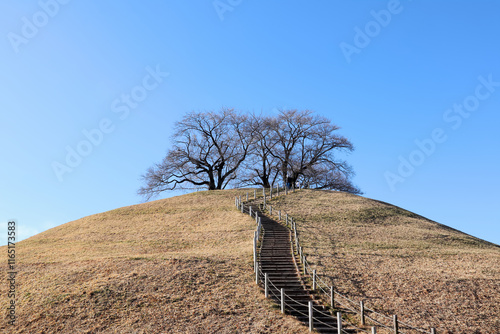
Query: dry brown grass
398 262
183 265
179 265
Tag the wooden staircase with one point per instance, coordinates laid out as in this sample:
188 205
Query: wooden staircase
278 261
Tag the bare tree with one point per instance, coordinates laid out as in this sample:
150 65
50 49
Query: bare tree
321 177
215 149
305 140
261 167
208 148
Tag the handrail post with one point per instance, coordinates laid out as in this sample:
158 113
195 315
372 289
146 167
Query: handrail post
247 196
279 215
332 297
242 207
250 211
374 330
396 325
314 280
282 300
362 307
310 316
339 323
266 288
255 250
256 266
433 330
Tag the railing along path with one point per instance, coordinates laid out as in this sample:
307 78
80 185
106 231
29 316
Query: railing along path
284 272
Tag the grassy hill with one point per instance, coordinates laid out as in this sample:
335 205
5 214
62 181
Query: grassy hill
400 263
179 265
184 265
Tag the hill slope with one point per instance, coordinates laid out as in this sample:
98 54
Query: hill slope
183 265
399 262
179 265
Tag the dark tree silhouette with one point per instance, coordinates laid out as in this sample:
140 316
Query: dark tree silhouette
321 177
208 148
215 149
261 167
305 141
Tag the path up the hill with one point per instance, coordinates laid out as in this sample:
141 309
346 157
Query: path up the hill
278 261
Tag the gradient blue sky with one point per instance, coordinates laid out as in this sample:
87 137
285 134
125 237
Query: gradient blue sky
68 68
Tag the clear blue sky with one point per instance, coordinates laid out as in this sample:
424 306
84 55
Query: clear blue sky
389 73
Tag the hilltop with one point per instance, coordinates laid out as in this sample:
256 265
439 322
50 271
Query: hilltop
184 265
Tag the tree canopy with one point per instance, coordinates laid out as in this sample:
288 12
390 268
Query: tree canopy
215 149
